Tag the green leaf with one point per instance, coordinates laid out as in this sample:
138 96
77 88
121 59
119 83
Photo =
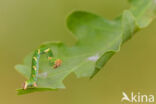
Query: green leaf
97 40
30 90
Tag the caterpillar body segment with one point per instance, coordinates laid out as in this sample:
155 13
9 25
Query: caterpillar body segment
35 65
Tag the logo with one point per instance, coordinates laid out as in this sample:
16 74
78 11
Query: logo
137 98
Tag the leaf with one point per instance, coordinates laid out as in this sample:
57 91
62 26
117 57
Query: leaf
30 90
98 39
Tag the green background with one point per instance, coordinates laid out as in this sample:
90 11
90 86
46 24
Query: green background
25 24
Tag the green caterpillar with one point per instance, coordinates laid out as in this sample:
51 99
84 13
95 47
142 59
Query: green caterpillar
35 65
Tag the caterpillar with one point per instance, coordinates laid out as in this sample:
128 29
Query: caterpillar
32 81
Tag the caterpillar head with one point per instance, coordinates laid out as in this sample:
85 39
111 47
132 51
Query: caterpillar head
57 63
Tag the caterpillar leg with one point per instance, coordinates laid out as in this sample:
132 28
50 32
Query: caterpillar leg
28 83
25 85
34 84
